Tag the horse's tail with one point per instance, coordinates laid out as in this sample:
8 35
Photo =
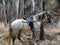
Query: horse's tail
10 35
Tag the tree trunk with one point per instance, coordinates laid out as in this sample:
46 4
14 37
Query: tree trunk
4 13
33 5
21 8
16 5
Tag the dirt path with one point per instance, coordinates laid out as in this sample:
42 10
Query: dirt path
50 37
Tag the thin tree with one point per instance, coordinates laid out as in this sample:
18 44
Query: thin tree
4 13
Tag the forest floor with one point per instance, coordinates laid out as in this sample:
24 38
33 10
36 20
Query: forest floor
52 36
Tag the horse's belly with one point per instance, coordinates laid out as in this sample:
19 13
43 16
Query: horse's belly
37 25
17 27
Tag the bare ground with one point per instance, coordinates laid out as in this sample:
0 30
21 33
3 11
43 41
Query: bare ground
52 36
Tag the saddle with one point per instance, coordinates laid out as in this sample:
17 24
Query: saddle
30 20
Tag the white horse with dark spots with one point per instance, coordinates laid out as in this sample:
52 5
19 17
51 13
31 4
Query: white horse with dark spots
20 24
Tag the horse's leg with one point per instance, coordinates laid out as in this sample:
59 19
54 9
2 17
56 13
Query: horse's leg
19 35
10 36
32 28
13 39
42 31
33 33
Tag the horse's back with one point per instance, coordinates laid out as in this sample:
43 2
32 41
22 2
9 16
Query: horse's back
18 24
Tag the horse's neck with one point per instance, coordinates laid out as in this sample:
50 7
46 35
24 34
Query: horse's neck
34 18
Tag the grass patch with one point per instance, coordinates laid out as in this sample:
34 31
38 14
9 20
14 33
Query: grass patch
5 37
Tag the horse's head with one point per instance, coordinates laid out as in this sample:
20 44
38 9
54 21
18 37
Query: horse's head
41 16
49 17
